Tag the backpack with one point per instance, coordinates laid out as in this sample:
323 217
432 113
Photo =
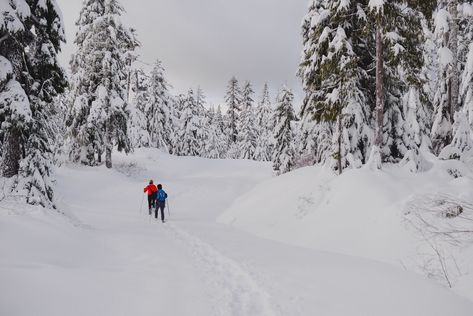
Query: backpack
162 196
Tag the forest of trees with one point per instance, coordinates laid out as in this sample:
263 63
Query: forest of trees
384 82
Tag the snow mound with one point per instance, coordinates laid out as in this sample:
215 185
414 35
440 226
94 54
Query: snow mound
368 213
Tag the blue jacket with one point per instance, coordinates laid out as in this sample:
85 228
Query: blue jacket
161 196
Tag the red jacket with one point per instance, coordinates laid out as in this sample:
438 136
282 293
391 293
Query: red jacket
151 189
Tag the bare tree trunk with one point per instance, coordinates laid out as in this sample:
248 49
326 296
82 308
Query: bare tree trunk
128 82
108 145
453 45
339 158
449 84
11 153
379 88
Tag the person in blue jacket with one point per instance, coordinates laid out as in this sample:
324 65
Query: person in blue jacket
161 197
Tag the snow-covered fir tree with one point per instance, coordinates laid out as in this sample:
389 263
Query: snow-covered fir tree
467 87
47 81
461 146
98 118
307 142
205 118
355 109
264 124
138 128
399 61
446 100
31 33
247 93
190 132
16 116
233 100
454 31
455 23
334 76
156 106
218 120
416 130
284 154
247 130
215 142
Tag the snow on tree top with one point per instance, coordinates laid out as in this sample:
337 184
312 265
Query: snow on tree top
467 9
360 13
43 4
11 13
343 4
393 37
58 11
15 98
6 69
339 40
376 4
445 56
319 17
441 21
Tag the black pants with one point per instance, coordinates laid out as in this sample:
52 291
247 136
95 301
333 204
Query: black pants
151 202
160 206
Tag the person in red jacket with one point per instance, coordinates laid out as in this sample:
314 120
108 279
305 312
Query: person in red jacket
151 189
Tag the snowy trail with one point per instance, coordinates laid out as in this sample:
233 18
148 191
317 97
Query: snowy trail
105 258
234 287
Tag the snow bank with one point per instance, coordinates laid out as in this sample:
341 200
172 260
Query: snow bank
361 213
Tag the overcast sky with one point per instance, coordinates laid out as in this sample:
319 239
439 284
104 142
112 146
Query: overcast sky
206 42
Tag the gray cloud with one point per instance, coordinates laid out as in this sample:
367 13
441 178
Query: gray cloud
205 42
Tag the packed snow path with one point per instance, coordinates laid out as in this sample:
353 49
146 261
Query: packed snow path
105 257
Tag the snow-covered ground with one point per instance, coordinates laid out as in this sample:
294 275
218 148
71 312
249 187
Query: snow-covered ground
392 216
103 256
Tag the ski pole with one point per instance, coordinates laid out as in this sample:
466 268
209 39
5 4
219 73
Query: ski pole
141 206
169 212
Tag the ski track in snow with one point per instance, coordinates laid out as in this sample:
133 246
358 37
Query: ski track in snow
237 291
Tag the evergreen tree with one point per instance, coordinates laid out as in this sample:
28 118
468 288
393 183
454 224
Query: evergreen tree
215 143
139 126
247 96
218 120
454 23
98 119
306 144
284 154
461 145
15 110
247 137
334 79
204 121
179 105
158 110
30 81
264 125
467 87
399 61
415 129
446 100
233 99
190 131
47 81
462 141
